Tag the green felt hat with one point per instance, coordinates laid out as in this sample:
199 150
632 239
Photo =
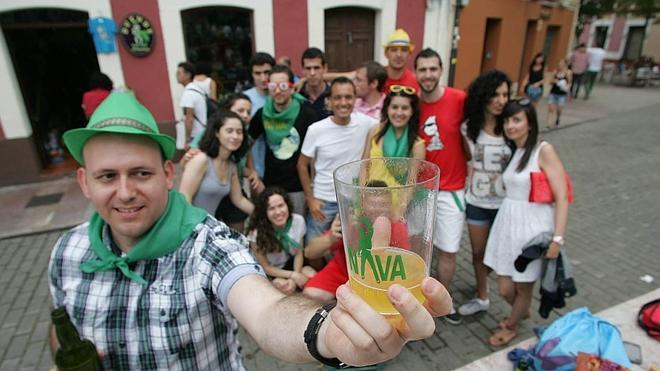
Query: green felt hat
119 113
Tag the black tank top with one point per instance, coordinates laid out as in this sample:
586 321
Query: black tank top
559 76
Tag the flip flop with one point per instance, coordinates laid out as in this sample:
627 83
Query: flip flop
502 337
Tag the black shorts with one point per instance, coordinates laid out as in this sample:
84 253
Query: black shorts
228 212
476 215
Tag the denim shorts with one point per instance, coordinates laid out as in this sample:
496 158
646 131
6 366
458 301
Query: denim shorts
558 99
534 93
476 215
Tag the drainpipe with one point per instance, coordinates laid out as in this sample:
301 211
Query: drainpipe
454 41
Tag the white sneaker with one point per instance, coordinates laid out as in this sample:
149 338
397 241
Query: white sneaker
473 306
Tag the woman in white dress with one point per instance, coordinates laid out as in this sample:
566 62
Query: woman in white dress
518 220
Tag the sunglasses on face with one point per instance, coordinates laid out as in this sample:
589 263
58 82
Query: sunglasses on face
284 86
403 89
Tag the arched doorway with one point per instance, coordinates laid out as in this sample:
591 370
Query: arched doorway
349 37
222 37
53 56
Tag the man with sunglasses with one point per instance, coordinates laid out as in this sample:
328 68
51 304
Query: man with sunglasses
331 142
441 114
397 51
284 120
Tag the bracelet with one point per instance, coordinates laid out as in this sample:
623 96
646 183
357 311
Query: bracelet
312 332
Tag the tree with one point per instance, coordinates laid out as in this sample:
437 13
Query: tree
648 9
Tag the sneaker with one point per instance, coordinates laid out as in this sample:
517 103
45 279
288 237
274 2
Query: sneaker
474 306
453 318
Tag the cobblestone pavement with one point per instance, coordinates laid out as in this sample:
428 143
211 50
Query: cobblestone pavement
612 240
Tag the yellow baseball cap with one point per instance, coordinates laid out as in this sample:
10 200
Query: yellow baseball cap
399 37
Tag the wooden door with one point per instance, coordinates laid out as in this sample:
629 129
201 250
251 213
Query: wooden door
349 37
491 43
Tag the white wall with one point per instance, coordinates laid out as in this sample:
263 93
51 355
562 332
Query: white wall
13 114
438 31
385 21
170 19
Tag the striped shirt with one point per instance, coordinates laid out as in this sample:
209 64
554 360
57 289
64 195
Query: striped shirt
179 321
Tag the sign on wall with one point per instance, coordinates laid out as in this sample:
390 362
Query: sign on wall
137 34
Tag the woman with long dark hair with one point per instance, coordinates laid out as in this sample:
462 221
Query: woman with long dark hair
487 96
276 237
240 104
518 220
212 174
533 81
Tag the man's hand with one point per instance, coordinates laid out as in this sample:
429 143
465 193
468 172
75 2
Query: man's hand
335 229
358 335
299 278
315 207
255 182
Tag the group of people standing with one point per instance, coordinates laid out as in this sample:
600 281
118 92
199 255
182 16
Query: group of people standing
485 144
578 71
156 283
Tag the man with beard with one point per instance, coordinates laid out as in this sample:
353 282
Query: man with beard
441 113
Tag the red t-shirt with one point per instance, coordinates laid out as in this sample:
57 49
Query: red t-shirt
335 273
93 99
440 127
407 79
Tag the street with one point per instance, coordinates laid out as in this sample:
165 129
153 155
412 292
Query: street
610 147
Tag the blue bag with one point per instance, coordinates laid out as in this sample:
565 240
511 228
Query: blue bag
578 331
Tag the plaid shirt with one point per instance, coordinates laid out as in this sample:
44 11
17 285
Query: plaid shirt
178 321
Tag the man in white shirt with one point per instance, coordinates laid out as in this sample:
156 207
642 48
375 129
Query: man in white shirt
193 101
331 142
369 81
596 57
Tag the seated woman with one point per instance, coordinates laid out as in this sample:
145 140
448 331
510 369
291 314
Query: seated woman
211 175
276 238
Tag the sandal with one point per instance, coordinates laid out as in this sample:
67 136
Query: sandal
502 337
502 324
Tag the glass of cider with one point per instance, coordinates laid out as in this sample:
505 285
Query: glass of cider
387 208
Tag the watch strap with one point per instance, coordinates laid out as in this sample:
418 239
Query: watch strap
311 335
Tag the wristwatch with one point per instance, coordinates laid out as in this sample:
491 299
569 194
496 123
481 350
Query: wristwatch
312 332
559 240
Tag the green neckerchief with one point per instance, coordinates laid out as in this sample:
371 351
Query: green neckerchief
289 244
240 168
393 147
171 229
277 125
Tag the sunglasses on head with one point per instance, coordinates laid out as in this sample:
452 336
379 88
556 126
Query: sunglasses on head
284 86
403 89
524 102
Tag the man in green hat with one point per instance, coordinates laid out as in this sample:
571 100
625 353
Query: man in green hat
158 284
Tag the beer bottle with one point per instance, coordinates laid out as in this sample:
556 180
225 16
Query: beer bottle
523 365
74 353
